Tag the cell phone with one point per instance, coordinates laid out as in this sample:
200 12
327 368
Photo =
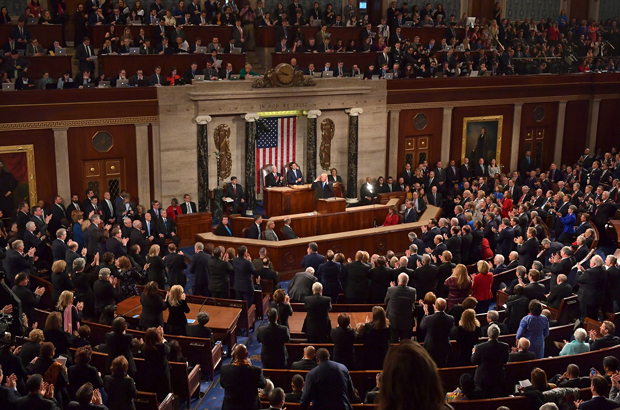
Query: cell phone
592 372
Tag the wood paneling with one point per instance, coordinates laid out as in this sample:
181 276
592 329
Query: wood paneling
458 114
81 149
575 129
46 34
608 132
547 125
579 9
433 130
44 158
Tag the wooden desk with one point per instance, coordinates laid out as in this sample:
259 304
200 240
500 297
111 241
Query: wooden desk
223 320
330 206
55 65
45 33
287 200
189 225
206 33
266 36
112 64
287 255
296 321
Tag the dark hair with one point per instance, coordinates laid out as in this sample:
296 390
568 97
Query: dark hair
151 339
610 363
84 395
322 355
151 289
535 307
82 356
33 383
107 315
84 331
276 396
272 315
599 384
298 381
47 350
119 325
539 379
518 290
410 379
344 320
119 366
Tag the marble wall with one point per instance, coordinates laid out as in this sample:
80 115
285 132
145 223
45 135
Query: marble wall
226 102
608 9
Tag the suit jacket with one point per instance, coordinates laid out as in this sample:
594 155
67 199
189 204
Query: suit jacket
17 263
535 290
329 276
81 53
558 293
410 215
115 247
490 357
425 279
37 402
200 268
357 281
137 238
314 260
592 286
219 275
328 386
59 249
521 356
230 192
273 349
29 300
321 191
292 176
400 302
436 200
270 180
527 252
241 384
301 286
244 274
437 340
317 324
192 205
176 265
168 227
599 403
288 232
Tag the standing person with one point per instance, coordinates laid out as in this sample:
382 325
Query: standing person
152 307
220 271
272 339
459 286
317 324
200 268
328 386
592 284
535 328
156 271
481 287
177 308
437 326
120 387
154 375
120 344
329 276
281 303
375 336
175 262
400 301
241 381
490 357
468 333
244 272
343 337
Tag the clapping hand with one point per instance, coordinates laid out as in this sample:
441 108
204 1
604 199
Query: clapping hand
97 397
39 291
183 296
592 334
84 250
418 263
11 381
392 284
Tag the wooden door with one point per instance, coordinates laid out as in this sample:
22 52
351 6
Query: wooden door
417 150
540 144
579 9
104 175
483 8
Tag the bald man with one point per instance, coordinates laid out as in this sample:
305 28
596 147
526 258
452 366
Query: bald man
400 300
521 353
241 381
437 326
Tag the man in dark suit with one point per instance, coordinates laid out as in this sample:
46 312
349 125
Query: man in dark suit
437 326
434 198
273 338
582 249
136 237
322 188
308 361
534 290
288 231
493 319
273 178
407 174
188 207
243 276
329 275
200 269
328 386
59 247
282 32
410 214
175 262
605 338
367 192
8 393
200 329
294 175
37 398
107 208
150 229
241 382
28 298
301 285
254 231
220 272
522 354
23 217
317 324
425 276
17 261
116 244
466 171
166 228
526 165
562 290
235 192
400 301
357 281
599 387
59 212
266 273
85 53
313 258
481 170
527 249
570 378
505 238
126 209
490 357
591 287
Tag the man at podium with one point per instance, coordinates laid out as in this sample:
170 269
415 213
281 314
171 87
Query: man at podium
293 176
322 188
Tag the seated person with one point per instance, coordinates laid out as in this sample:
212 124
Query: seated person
570 378
297 385
294 175
200 329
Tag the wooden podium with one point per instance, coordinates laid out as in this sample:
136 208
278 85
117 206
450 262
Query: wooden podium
188 225
331 205
288 200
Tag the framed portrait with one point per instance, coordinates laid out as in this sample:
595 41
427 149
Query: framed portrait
17 178
482 138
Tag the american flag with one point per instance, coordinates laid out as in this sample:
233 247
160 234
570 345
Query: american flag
275 145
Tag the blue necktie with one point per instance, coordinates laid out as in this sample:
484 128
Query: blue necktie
228 230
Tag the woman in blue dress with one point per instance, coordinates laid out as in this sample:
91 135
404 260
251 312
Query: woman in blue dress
535 328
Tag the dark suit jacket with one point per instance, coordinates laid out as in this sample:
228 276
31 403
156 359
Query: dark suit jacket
591 286
410 215
244 274
176 265
527 252
535 290
59 249
219 275
301 286
425 279
254 232
437 340
288 232
273 352
270 180
8 398
137 238
37 402
400 302
380 278
222 231
291 179
166 228
328 386
105 294
116 247
241 384
120 345
521 356
200 268
357 281
314 260
230 192
329 276
490 357
317 324
558 293
202 332
184 207
320 191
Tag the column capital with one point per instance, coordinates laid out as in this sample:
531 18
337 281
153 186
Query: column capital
314 114
142 124
250 117
60 129
354 112
448 109
203 119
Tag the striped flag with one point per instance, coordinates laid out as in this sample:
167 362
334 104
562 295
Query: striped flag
275 145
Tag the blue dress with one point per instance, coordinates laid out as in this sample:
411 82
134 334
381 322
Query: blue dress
534 329
78 236
569 223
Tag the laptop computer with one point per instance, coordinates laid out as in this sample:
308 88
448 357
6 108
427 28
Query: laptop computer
235 50
199 78
52 86
134 50
317 75
375 77
122 83
32 20
201 50
389 76
327 74
316 23
104 84
89 85
234 77
473 74
8 87
408 23
487 73
21 52
358 76
60 51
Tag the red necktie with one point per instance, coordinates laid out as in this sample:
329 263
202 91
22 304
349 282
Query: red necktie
235 190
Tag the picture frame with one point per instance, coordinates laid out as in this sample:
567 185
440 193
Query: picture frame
489 147
17 163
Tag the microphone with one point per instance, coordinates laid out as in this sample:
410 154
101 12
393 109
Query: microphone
204 301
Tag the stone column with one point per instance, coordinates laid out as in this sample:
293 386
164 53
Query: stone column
156 162
595 105
63 176
142 162
446 133
250 159
354 114
312 120
393 154
202 157
516 135
559 133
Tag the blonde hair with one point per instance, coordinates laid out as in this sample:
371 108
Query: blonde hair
59 266
393 261
85 224
154 251
174 298
36 335
468 321
65 299
462 278
483 267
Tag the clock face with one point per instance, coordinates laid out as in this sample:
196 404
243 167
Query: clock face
285 74
103 142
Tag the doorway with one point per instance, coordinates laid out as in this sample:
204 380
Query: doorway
104 175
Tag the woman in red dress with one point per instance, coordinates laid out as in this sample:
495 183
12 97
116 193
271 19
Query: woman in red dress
506 204
174 209
392 217
481 287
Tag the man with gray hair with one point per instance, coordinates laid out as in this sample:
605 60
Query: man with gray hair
493 319
490 356
136 237
582 249
521 353
561 290
301 285
592 284
59 247
18 261
32 240
317 325
414 240
199 268
400 300
105 290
